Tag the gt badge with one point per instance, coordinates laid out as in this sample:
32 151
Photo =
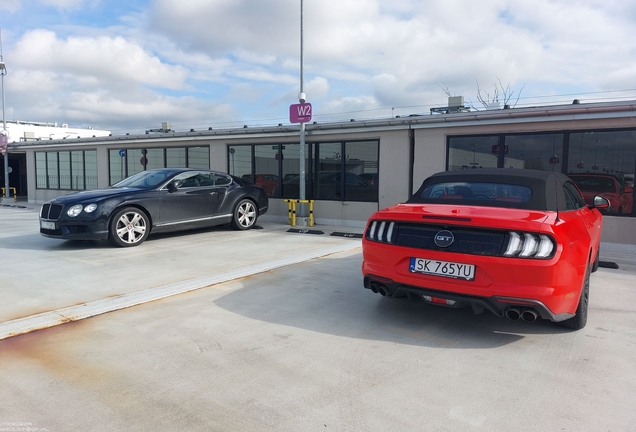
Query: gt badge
444 238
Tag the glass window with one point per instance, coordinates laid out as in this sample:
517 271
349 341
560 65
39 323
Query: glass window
479 193
361 171
90 168
539 152
573 198
189 179
199 157
40 170
266 158
240 162
52 173
117 160
155 158
291 171
612 152
472 152
327 181
65 169
221 180
337 171
77 170
176 158
134 161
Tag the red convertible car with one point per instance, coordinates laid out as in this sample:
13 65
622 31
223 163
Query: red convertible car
519 243
619 195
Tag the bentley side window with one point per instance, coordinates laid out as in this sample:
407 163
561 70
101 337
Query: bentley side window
222 180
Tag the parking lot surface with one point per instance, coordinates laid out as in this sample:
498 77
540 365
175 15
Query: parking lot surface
298 346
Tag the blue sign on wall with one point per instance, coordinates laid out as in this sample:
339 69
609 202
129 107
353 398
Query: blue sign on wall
122 152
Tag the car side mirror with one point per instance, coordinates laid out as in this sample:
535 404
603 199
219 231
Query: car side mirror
174 186
600 202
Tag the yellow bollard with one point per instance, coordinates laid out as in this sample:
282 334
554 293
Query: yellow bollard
311 210
15 193
291 211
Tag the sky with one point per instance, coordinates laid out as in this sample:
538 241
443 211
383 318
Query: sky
128 66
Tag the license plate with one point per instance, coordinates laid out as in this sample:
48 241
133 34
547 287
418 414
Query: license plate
442 268
47 225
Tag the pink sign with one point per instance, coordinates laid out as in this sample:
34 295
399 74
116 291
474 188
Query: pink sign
300 113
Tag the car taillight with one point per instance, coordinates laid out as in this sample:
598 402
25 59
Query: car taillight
381 231
529 245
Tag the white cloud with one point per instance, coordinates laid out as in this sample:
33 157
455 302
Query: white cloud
114 60
67 4
361 55
317 87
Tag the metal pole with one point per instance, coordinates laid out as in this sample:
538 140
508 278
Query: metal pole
3 71
301 98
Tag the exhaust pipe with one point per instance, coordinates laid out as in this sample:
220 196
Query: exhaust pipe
383 290
374 287
529 315
513 314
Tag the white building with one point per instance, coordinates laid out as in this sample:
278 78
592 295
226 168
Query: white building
25 132
20 131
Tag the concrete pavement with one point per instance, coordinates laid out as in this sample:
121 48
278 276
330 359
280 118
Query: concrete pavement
300 347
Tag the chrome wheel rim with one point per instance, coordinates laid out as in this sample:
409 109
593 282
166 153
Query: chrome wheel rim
131 228
246 214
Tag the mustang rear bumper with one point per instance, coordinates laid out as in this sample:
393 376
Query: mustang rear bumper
498 305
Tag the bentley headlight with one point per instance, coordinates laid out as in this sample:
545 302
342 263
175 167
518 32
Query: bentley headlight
75 210
90 208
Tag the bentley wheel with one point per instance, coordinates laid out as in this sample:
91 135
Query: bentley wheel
128 227
245 215
578 321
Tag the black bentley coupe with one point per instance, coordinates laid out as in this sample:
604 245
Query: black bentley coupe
159 200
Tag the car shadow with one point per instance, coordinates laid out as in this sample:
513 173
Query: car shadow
39 242
327 296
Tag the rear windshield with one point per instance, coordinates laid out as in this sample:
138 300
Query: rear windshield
594 184
477 193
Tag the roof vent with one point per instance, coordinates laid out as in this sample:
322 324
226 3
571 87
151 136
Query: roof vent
576 102
455 102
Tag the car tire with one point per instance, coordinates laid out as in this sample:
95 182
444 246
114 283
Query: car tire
245 215
579 320
596 261
128 227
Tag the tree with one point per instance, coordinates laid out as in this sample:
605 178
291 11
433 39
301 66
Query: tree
500 94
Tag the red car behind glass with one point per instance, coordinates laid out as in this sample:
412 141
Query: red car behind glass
608 186
519 243
267 181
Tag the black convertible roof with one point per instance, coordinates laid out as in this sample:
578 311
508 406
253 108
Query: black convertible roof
547 186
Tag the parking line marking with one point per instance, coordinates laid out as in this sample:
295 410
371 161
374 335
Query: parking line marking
86 310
